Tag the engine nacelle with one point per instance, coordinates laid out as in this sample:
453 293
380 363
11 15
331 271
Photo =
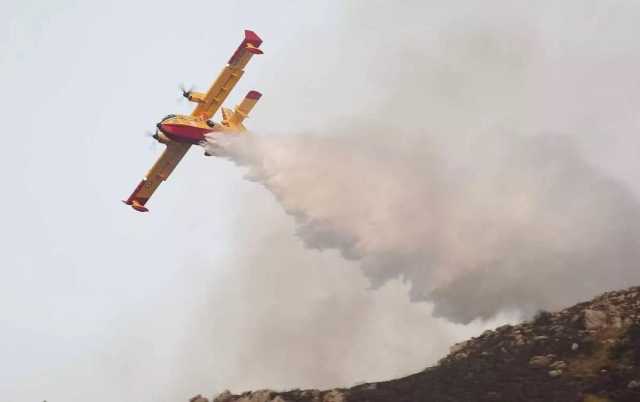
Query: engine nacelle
160 137
197 97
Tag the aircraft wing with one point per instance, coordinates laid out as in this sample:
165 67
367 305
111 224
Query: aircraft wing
210 102
158 173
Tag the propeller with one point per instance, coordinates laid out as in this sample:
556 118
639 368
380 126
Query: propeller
154 143
185 92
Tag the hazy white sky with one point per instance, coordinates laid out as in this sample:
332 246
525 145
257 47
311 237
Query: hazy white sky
100 302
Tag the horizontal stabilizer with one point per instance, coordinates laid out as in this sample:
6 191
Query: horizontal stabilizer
242 111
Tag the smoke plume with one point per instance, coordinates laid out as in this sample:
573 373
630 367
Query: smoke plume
476 173
521 223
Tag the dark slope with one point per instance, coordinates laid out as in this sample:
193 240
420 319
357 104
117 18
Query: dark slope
587 353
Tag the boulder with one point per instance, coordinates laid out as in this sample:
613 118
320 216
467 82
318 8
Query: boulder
617 322
223 397
541 361
334 396
558 365
594 319
519 340
457 347
260 396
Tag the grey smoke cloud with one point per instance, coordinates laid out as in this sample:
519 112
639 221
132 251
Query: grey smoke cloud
486 188
290 317
525 223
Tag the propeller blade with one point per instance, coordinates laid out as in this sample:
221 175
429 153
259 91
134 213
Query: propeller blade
185 91
154 143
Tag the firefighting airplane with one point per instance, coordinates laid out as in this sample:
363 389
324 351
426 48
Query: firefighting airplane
179 132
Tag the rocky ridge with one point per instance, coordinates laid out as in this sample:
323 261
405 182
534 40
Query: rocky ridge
586 353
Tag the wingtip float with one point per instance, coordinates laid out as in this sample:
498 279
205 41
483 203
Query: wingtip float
179 132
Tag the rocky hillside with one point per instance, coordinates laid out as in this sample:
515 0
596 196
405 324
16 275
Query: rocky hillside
587 353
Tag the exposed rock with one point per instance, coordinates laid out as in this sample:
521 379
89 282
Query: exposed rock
633 384
555 373
461 355
223 397
576 318
457 347
541 361
574 346
594 319
616 322
486 333
260 396
257 396
558 365
312 395
334 396
519 340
